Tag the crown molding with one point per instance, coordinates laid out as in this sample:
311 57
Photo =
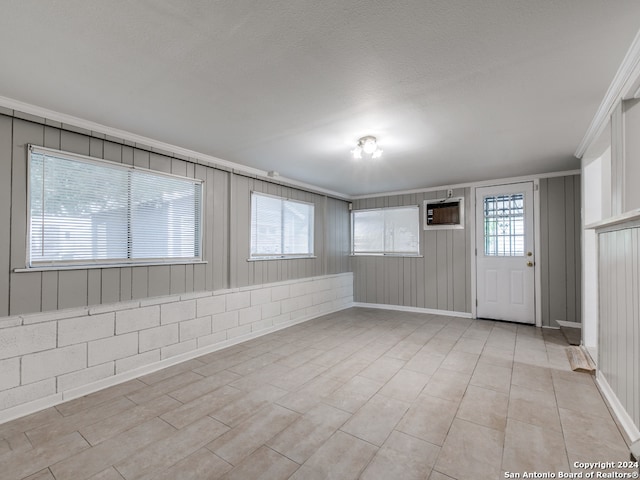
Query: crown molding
479 183
625 85
202 158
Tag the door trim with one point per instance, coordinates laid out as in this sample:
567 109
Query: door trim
537 301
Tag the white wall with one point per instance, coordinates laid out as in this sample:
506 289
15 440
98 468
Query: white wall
593 199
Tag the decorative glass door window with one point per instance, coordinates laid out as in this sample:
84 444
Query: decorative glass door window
504 225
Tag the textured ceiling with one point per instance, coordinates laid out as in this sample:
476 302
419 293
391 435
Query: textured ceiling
456 91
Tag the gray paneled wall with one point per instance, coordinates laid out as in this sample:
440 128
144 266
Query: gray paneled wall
439 279
225 233
560 257
619 337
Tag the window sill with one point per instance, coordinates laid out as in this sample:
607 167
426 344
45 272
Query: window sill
283 257
386 255
90 266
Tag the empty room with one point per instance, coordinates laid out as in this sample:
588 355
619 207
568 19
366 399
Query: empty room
319 240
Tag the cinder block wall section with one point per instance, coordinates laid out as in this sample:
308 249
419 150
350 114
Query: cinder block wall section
47 358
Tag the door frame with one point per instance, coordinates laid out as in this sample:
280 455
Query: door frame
537 286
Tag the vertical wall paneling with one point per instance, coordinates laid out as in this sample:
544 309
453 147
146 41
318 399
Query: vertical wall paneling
438 279
617 160
6 129
619 336
632 154
560 248
25 290
225 235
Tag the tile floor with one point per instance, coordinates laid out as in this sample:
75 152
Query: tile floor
361 393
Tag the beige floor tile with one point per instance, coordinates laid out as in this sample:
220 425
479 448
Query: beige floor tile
188 413
309 395
493 377
200 465
15 442
297 377
429 419
447 384
376 419
298 385
592 438
29 422
98 398
571 376
300 357
72 423
534 407
471 452
261 377
109 427
332 357
353 394
177 369
402 457
107 474
484 407
201 387
531 376
581 398
496 356
469 345
406 385
440 345
304 436
94 460
382 369
147 462
27 462
43 475
238 410
425 362
530 448
403 350
255 363
222 363
163 386
439 476
341 457
263 464
347 369
461 362
248 436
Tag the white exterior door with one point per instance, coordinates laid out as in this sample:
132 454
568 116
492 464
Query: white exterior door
505 278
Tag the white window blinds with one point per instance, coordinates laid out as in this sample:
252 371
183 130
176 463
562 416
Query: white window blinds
280 227
390 231
85 211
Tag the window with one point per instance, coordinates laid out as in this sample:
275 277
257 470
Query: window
504 225
386 231
87 211
280 228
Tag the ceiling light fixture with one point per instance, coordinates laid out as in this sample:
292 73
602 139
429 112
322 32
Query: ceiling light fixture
368 145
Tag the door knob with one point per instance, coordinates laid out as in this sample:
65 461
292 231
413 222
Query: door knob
529 263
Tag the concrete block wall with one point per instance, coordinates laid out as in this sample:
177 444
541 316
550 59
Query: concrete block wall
47 358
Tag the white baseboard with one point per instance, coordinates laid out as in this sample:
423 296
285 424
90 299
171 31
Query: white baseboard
58 398
625 420
562 323
402 308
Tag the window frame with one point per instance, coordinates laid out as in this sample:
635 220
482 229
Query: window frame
281 256
384 252
35 265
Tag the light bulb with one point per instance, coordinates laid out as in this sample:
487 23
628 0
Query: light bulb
377 153
369 146
357 153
